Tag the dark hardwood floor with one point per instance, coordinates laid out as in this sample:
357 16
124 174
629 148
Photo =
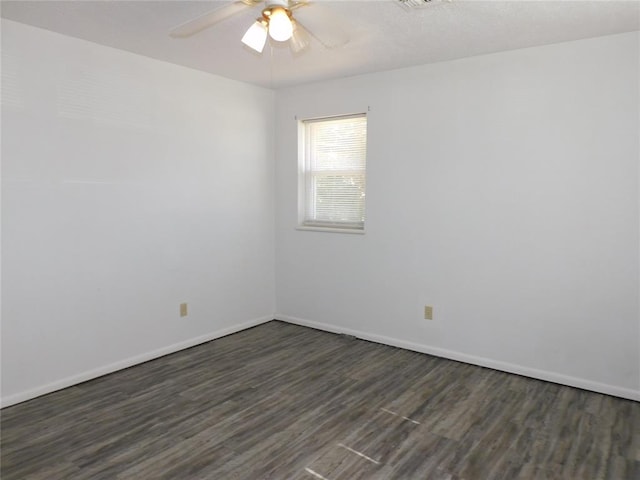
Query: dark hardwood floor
280 401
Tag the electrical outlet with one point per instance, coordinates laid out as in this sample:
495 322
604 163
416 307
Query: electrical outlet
428 312
183 309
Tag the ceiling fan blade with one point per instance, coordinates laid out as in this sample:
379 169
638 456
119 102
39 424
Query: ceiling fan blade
328 28
206 20
295 4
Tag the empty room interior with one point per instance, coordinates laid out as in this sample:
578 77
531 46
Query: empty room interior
393 239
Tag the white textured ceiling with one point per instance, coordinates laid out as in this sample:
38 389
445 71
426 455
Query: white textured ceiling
384 35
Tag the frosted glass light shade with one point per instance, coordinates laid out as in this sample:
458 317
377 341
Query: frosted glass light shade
256 36
299 39
280 28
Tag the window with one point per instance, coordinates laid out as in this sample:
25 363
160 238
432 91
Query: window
332 183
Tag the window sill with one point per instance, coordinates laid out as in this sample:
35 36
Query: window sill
310 228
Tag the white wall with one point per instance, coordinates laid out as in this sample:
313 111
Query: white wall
502 190
128 186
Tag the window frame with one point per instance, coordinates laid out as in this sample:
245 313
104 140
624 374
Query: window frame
305 179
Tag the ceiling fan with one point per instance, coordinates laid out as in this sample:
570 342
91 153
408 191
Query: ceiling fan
276 21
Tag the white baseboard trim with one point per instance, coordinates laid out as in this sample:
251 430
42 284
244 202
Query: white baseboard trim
472 359
129 362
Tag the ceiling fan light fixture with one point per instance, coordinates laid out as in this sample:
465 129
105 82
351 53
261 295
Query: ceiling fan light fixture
299 39
280 26
256 36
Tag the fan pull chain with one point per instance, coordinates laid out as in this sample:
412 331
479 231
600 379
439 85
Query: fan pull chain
271 64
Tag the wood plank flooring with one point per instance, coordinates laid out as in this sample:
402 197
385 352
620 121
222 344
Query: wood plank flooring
280 401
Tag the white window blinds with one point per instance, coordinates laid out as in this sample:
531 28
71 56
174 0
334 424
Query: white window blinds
334 151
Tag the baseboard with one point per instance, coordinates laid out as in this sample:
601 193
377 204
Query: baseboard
474 360
129 362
